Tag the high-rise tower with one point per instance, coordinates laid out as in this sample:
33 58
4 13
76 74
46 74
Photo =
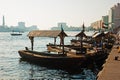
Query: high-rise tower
3 22
114 16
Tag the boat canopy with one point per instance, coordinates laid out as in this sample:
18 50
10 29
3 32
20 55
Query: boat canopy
96 35
102 34
46 33
81 34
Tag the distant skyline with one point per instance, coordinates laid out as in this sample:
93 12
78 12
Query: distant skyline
47 13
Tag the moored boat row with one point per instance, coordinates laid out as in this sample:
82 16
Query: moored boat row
71 55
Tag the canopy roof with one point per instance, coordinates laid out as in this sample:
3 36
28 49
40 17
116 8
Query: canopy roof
81 34
102 34
46 33
96 34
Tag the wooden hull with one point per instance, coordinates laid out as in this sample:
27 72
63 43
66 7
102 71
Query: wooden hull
55 60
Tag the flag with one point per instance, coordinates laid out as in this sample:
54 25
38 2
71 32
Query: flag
105 25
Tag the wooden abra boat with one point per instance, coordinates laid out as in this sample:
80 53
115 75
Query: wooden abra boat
50 59
58 59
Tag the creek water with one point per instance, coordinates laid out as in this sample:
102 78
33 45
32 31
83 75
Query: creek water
12 67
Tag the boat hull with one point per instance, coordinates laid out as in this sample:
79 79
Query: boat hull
52 60
16 34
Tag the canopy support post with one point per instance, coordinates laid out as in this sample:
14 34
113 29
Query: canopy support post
81 44
63 45
54 40
62 36
32 42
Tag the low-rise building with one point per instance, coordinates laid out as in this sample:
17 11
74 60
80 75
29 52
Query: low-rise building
97 24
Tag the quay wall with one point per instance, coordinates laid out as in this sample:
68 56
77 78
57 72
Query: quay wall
111 67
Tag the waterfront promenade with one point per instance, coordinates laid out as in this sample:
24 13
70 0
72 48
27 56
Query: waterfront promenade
111 68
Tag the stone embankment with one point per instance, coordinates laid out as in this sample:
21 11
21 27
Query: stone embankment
111 68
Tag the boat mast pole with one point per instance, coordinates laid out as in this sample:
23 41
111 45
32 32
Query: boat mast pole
62 38
82 38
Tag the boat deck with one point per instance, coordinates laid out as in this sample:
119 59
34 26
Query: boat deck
57 55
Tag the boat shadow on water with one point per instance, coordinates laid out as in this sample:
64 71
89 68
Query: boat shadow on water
73 69
78 72
70 69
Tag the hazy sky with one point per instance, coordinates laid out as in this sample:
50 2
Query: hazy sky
47 13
